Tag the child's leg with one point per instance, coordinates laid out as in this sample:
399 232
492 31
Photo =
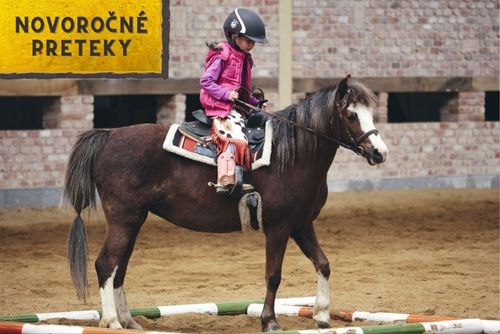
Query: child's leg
226 166
229 136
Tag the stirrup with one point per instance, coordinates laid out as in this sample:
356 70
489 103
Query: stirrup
238 177
238 188
229 189
221 189
246 188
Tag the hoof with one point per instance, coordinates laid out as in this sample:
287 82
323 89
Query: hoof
272 326
132 324
113 324
322 324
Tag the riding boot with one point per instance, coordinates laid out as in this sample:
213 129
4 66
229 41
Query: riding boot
228 188
226 170
229 175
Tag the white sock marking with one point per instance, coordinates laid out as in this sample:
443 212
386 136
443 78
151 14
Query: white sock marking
123 312
322 305
109 316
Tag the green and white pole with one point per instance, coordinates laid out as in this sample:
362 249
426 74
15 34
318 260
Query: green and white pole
223 308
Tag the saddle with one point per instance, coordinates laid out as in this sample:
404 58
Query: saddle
199 131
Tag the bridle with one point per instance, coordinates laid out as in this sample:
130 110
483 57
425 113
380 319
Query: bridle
353 145
356 148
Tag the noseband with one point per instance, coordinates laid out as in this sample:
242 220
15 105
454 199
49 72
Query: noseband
356 148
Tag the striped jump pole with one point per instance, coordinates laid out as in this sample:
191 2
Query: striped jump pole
464 326
255 310
224 308
490 326
389 317
7 327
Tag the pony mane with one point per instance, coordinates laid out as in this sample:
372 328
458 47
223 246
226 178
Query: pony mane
363 95
314 112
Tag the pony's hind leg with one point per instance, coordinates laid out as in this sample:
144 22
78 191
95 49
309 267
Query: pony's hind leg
123 312
111 267
109 317
308 243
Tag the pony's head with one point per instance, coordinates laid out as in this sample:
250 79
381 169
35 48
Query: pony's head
354 109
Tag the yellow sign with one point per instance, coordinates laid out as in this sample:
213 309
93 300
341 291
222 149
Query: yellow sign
90 38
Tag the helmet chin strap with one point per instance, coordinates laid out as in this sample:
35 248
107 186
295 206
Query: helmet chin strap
232 41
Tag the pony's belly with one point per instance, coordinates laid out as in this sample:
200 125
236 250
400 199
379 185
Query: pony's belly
205 223
210 228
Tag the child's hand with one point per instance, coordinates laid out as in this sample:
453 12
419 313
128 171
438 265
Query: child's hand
262 105
233 95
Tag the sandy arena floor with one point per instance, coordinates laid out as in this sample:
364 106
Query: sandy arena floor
425 251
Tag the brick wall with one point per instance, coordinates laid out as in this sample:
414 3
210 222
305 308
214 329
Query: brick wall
369 38
37 158
471 104
465 106
34 158
171 109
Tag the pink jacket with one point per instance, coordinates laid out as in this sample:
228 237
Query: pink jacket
215 90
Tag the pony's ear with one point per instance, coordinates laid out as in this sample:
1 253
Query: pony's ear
343 87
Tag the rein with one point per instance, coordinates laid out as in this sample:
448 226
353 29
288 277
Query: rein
355 148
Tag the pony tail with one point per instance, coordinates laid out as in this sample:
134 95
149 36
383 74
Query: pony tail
77 257
79 192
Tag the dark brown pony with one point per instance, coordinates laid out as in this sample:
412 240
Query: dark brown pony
135 176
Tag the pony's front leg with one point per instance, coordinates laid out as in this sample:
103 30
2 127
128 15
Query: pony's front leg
308 243
276 240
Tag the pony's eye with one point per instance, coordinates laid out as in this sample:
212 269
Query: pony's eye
352 116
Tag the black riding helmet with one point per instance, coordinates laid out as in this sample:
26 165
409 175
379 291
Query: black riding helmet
247 23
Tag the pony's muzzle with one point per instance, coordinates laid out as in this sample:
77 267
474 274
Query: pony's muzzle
378 157
375 156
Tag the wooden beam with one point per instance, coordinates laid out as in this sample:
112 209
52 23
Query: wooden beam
406 84
33 87
486 84
139 86
61 87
